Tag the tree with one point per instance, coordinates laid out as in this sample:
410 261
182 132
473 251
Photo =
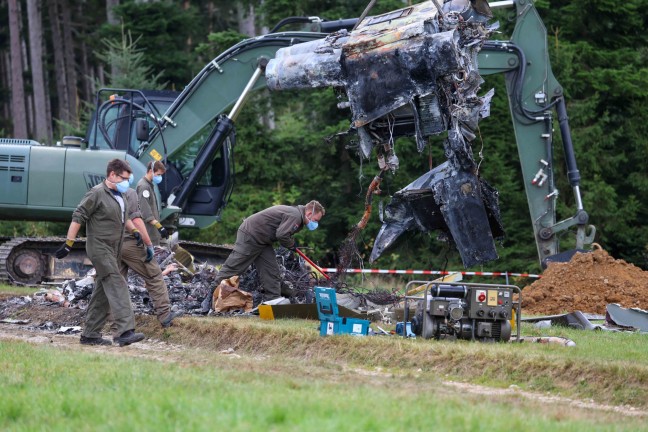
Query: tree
43 123
70 62
18 110
129 62
60 75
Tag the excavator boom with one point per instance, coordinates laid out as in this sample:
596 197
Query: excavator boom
411 72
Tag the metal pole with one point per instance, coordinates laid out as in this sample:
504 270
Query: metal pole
246 92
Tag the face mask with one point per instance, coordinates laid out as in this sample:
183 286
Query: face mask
131 179
157 179
122 186
312 225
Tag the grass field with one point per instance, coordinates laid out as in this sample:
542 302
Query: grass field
280 375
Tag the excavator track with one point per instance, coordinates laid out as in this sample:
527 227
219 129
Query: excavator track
31 261
24 260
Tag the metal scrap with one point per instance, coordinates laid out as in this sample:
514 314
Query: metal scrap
634 318
412 72
187 290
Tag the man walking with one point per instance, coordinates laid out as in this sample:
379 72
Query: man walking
105 212
149 203
254 241
143 263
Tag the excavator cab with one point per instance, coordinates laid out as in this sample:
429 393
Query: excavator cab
124 118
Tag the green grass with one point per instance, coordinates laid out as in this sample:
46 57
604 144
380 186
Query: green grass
44 388
607 367
16 290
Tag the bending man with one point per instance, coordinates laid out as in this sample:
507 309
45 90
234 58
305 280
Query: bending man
254 241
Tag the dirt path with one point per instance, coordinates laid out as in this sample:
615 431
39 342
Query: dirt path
157 350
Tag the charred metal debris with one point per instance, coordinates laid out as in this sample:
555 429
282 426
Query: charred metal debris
412 72
188 288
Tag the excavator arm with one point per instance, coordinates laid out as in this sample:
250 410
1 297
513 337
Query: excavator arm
404 103
536 100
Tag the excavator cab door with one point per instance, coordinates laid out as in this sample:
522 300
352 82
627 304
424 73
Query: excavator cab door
211 195
212 192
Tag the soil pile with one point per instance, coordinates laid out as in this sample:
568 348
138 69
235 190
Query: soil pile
587 283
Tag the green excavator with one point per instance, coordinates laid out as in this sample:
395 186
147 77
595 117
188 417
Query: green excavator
411 72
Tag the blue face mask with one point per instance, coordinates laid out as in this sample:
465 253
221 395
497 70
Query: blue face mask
312 225
122 186
157 179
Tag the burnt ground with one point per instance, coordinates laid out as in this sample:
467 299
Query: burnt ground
40 315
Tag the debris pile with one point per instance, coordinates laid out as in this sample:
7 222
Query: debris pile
188 289
587 283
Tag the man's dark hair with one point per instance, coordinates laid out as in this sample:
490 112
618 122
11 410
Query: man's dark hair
118 166
155 166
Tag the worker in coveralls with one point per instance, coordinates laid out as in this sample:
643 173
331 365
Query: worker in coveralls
142 262
149 203
105 212
254 241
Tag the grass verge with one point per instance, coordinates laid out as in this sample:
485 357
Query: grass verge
606 367
45 388
7 291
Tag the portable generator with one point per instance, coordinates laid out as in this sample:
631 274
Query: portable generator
450 310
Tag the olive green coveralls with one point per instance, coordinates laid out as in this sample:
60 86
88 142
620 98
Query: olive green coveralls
104 218
254 241
133 257
148 205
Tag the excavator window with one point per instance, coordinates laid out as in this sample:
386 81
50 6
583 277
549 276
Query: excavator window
184 159
214 187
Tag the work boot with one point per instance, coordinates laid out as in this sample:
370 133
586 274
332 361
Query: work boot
94 341
128 337
168 322
287 289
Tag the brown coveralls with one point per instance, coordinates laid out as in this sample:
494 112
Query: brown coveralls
133 256
148 204
254 245
104 218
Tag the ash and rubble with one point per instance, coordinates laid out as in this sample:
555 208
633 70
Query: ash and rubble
188 287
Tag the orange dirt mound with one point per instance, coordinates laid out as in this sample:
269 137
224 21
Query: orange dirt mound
587 283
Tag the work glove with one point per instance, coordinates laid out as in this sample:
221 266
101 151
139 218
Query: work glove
150 252
163 231
293 248
138 237
65 249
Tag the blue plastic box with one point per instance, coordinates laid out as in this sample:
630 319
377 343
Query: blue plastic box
330 321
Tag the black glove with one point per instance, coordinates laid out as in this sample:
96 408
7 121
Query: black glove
163 231
138 237
65 249
293 248
150 252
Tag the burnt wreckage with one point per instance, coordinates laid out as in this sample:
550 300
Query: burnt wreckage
412 72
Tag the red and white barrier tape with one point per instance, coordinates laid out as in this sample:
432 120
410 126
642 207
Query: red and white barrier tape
434 272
